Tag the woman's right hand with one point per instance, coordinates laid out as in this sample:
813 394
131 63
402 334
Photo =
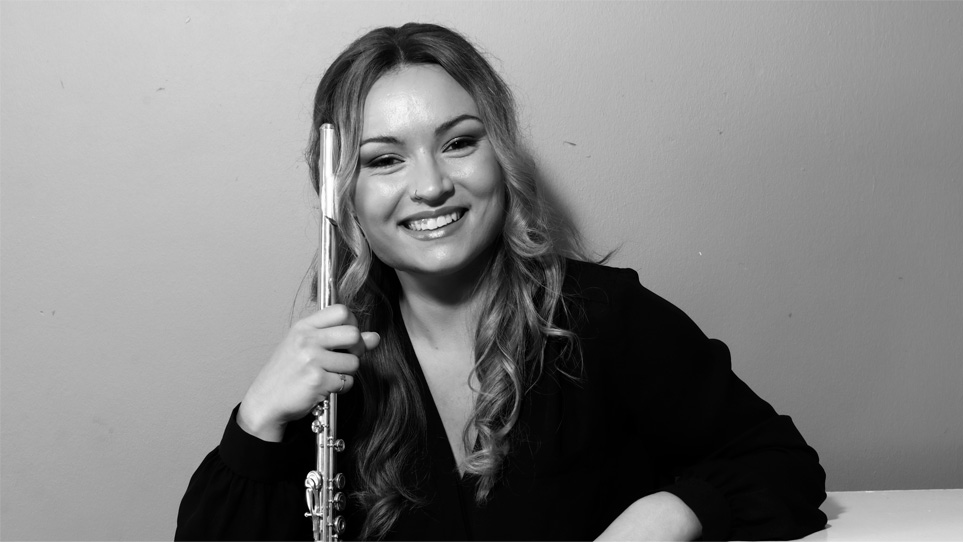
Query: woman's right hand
319 356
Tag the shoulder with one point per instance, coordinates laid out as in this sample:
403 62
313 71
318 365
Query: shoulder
596 284
594 277
613 298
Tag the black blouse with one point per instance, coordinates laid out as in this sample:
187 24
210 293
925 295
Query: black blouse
655 407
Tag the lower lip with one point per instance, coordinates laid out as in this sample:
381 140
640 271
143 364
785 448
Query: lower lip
428 235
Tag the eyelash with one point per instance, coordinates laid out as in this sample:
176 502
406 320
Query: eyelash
382 162
461 143
465 141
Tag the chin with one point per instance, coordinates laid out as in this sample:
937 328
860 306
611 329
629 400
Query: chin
447 265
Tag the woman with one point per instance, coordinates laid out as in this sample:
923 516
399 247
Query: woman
490 388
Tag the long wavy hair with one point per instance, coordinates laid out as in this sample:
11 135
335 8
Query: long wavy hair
520 294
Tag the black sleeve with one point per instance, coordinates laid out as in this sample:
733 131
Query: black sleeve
249 489
745 471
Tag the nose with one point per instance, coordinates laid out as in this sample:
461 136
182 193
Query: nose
431 183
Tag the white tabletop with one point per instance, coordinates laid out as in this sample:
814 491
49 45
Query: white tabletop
918 515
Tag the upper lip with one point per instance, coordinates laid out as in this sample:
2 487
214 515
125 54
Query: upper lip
432 213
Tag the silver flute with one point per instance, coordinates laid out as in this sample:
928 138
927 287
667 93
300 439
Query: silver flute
323 485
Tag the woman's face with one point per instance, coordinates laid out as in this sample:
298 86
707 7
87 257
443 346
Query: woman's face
429 195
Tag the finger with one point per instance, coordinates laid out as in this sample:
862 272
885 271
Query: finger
338 362
371 339
367 341
332 315
339 383
346 338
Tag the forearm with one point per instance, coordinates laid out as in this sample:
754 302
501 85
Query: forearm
660 516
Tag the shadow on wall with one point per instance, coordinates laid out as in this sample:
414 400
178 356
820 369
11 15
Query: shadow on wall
566 237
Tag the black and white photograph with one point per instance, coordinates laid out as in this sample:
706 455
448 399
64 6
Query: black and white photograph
481 270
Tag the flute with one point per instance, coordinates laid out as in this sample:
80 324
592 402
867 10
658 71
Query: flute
322 485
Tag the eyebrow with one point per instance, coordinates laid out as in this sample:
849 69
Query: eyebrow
439 130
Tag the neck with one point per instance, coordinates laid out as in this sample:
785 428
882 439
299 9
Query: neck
442 310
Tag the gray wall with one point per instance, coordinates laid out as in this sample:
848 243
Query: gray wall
789 174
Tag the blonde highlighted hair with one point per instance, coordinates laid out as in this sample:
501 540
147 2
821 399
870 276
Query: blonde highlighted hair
520 293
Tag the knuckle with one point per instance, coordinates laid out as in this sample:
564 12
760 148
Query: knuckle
312 363
315 377
300 341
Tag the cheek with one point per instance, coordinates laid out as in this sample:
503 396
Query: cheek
493 221
483 177
495 186
374 201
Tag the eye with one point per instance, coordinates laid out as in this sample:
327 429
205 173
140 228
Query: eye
461 144
381 162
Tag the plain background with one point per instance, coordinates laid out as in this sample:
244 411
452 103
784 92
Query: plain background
789 174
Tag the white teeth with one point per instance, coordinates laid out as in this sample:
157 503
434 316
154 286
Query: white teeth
434 223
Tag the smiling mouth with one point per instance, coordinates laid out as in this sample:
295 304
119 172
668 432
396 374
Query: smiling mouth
434 223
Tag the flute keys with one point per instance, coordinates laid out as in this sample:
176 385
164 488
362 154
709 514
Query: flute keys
339 445
339 525
313 480
338 502
339 481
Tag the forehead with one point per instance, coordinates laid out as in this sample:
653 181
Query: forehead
414 97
